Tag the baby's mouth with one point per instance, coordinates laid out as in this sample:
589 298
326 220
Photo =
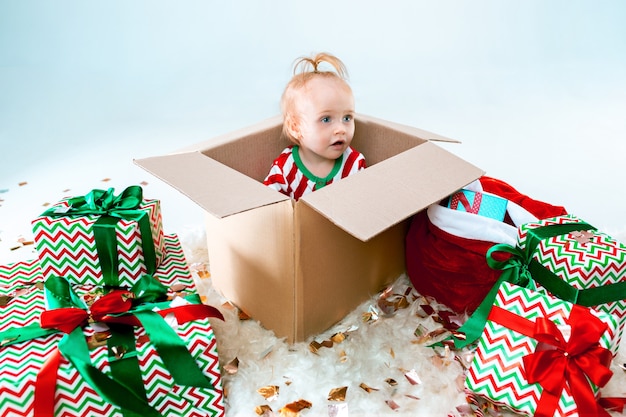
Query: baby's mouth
338 143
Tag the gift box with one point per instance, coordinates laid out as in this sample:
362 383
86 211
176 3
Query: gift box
580 263
474 202
129 367
101 238
542 356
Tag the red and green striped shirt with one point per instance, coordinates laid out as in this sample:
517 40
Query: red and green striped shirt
289 175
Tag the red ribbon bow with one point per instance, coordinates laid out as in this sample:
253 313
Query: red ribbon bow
557 362
67 319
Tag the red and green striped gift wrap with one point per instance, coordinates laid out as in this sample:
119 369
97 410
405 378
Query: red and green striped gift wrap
541 356
590 264
66 390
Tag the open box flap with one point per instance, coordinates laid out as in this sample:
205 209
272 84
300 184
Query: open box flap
370 201
209 183
414 131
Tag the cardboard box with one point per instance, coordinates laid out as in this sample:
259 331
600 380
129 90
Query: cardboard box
300 268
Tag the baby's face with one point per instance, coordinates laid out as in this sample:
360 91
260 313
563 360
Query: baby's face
325 110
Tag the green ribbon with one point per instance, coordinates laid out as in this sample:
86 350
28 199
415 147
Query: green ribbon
166 341
522 269
111 209
125 371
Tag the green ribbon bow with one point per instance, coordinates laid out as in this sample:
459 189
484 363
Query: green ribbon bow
522 269
111 209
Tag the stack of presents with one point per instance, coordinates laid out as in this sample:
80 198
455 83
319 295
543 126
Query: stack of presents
548 303
108 320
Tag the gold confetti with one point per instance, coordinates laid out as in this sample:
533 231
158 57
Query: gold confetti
294 408
143 183
367 388
96 340
228 306
391 382
264 411
392 353
420 331
392 404
437 361
412 377
338 337
343 356
201 269
314 346
106 179
5 300
269 392
434 336
23 183
337 394
232 367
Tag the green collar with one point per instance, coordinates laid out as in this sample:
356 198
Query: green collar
319 182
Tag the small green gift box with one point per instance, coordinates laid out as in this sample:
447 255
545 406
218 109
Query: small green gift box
101 238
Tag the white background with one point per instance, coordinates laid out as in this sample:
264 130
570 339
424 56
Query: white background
535 90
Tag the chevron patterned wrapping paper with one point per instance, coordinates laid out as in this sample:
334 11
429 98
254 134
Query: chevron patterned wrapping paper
67 246
23 302
583 260
497 370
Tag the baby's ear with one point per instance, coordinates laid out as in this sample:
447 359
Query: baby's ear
293 128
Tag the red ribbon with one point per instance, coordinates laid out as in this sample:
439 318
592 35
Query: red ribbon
460 197
557 363
67 319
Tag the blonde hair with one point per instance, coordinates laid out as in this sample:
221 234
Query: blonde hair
305 69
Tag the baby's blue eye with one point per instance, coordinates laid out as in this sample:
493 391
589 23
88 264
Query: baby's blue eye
347 118
325 119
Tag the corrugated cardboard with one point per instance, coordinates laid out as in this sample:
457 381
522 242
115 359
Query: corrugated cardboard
300 268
